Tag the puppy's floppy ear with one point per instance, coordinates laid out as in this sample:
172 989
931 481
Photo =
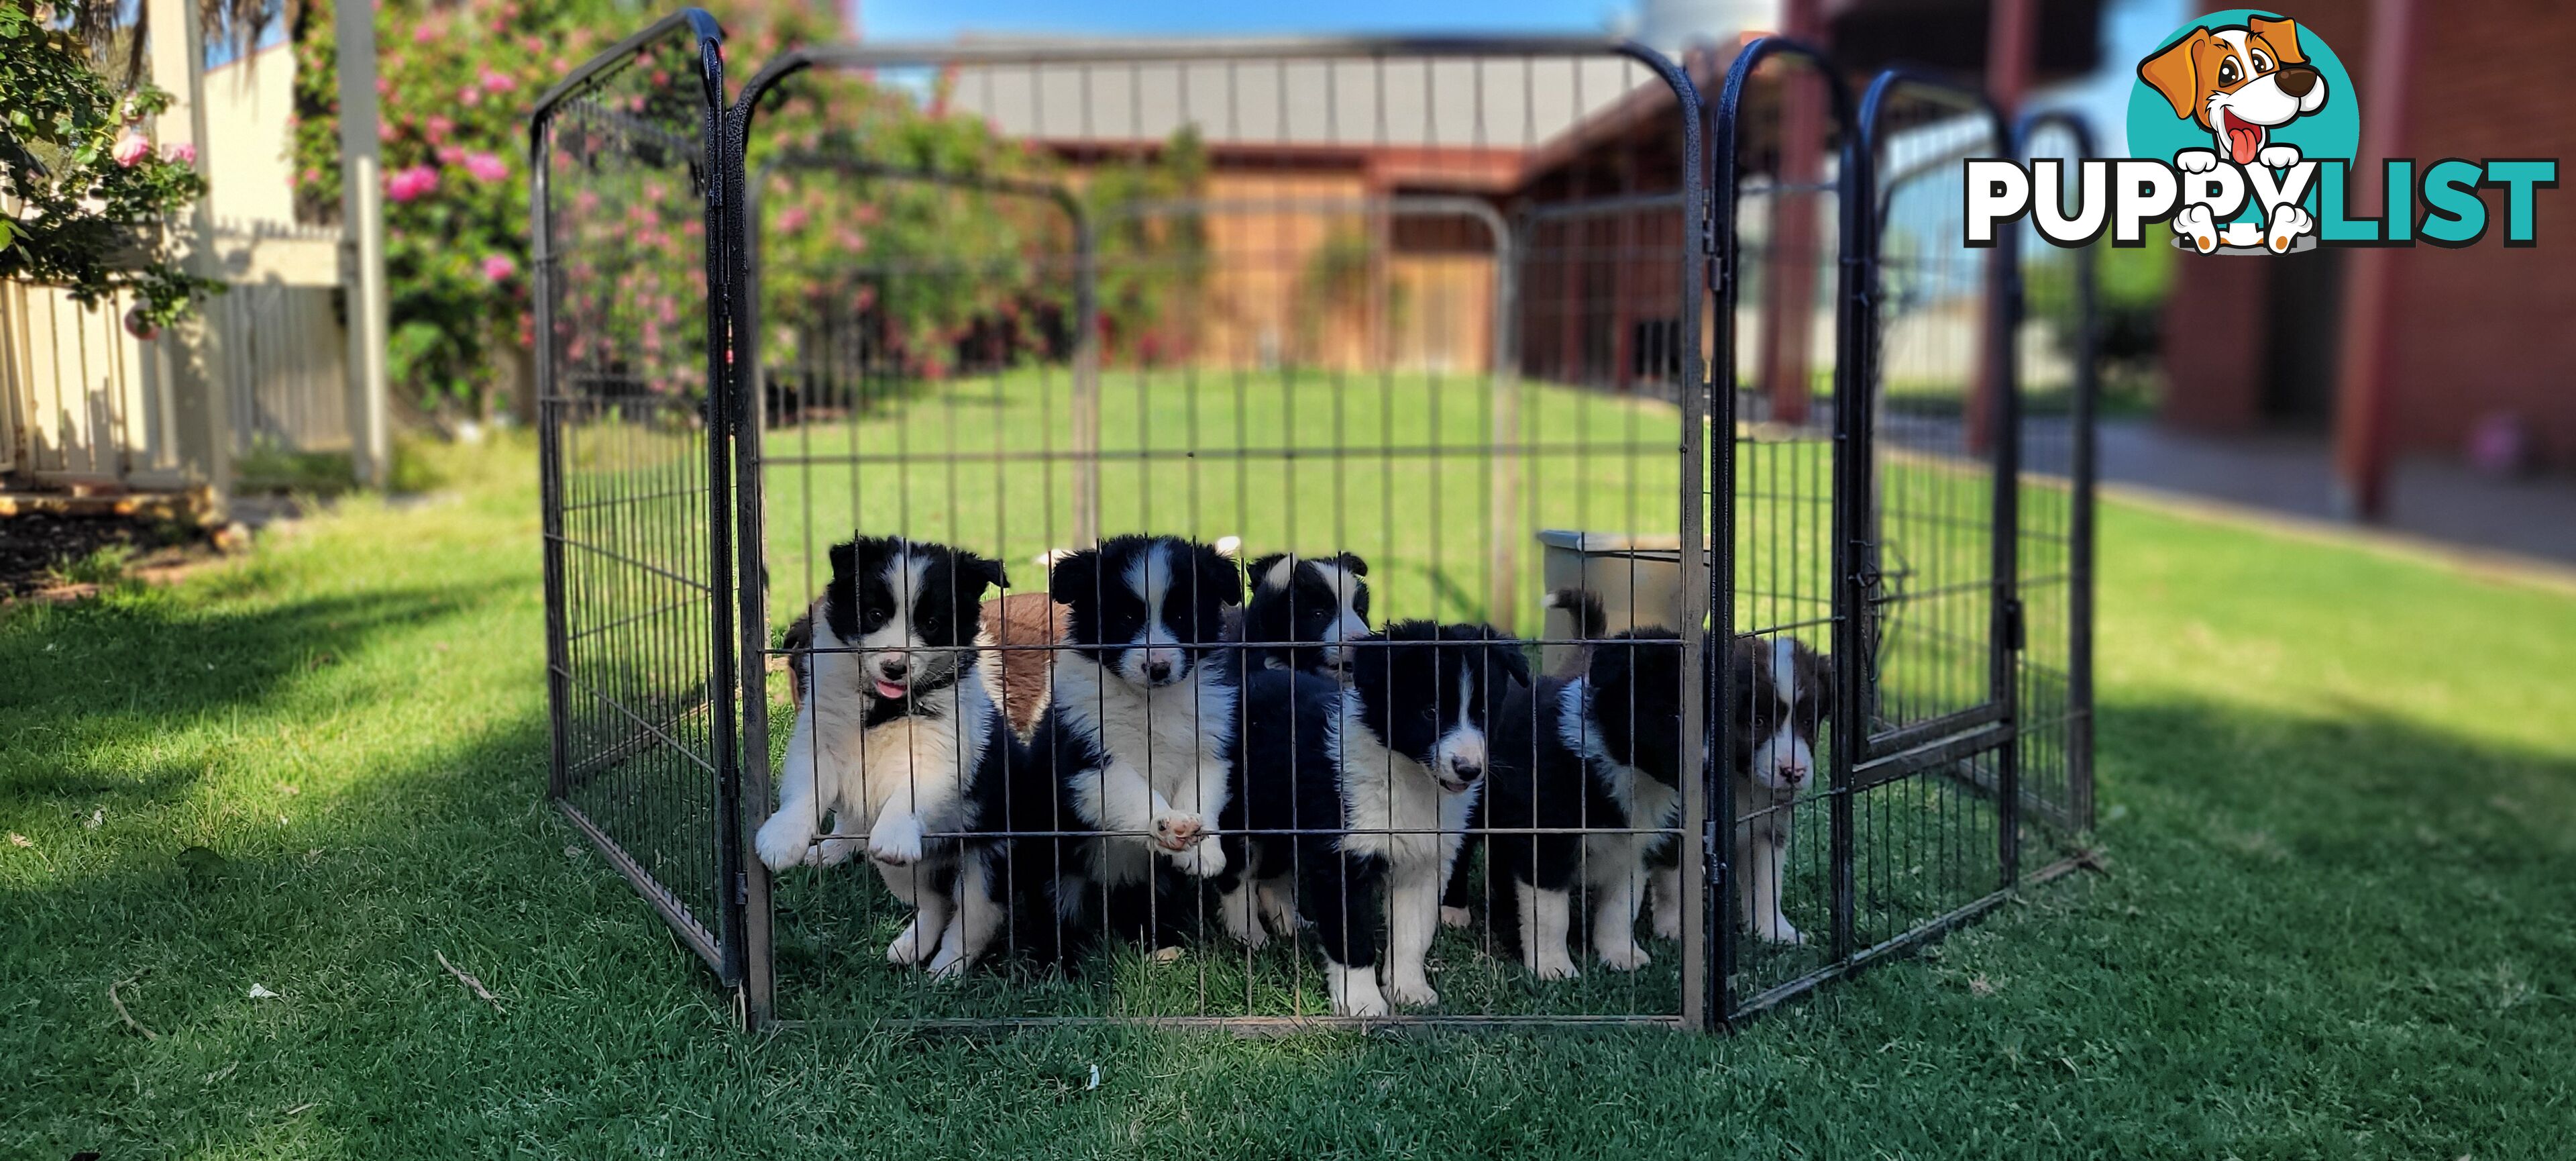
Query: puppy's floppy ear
1261 569
2175 73
975 574
1217 576
2282 35
1352 561
1075 577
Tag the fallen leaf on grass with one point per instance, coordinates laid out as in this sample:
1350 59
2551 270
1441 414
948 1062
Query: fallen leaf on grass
97 818
19 840
261 992
475 985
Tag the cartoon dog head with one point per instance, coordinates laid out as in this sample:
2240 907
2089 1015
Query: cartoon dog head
2240 83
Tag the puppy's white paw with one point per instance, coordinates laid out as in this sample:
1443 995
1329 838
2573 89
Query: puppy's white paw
948 964
1279 909
1204 860
1668 920
2288 223
786 840
2278 156
1354 991
1778 930
1453 917
1552 965
836 851
1626 958
1414 991
2196 161
896 840
1176 831
911 947
1241 916
2195 223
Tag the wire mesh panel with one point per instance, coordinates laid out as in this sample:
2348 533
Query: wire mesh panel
1787 179
2056 368
636 496
1226 533
1239 334
1930 830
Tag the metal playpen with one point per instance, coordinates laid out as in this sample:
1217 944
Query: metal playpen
1500 316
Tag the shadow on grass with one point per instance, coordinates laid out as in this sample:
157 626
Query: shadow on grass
2317 931
76 680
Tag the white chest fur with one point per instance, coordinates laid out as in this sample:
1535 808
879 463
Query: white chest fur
1390 803
1169 735
929 753
1647 803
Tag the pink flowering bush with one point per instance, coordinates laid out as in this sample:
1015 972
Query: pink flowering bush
458 78
81 175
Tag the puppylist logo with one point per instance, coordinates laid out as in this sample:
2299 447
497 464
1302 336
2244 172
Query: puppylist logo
2245 126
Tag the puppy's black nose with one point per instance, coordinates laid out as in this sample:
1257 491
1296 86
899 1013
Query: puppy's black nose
1158 670
2296 80
1467 773
894 668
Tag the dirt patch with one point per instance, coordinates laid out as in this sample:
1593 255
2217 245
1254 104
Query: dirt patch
39 549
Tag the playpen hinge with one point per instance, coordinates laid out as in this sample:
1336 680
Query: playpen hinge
741 888
2014 637
1708 222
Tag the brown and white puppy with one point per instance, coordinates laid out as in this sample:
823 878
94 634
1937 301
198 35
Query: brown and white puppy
1782 689
2240 82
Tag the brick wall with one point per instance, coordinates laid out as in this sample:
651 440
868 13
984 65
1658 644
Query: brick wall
2486 328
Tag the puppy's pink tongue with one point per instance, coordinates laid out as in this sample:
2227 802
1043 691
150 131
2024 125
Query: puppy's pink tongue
2244 142
889 690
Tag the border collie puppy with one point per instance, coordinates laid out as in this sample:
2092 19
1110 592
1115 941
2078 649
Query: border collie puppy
1379 775
1599 749
1320 599
1782 692
1140 718
1591 622
895 724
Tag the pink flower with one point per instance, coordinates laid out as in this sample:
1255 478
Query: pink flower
499 267
486 167
131 149
792 219
423 34
469 96
406 184
181 152
495 81
439 127
450 154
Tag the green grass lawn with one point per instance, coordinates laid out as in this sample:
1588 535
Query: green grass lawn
2338 807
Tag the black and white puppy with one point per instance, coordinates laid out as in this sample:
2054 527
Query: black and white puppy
1324 600
1602 750
1140 720
895 724
1348 788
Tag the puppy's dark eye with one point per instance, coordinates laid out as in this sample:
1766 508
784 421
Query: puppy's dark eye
2228 74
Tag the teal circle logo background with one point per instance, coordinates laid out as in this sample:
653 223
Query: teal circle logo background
2333 131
